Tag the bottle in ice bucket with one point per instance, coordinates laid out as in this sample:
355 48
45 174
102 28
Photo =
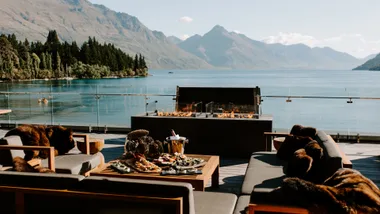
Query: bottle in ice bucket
177 143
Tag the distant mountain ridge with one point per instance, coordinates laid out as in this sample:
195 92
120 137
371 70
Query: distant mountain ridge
79 19
224 49
175 40
218 48
372 64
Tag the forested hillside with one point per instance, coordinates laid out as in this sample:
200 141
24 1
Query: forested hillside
22 60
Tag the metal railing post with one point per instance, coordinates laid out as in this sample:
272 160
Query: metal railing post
51 106
97 107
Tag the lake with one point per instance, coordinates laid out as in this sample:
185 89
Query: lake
74 101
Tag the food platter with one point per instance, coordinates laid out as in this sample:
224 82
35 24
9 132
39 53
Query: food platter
120 167
166 164
140 164
179 161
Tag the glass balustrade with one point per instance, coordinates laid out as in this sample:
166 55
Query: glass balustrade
341 111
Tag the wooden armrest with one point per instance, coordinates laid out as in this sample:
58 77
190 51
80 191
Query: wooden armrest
51 156
86 139
346 161
276 209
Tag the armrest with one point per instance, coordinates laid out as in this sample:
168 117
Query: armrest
86 139
51 156
346 162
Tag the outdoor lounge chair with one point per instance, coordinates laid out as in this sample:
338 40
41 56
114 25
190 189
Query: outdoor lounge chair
73 162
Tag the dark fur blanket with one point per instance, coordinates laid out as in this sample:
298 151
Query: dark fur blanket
59 137
346 192
21 165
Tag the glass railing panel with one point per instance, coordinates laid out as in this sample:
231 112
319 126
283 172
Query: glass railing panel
330 115
73 109
117 110
27 108
164 103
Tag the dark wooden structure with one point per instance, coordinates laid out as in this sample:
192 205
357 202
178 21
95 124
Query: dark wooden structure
219 95
226 137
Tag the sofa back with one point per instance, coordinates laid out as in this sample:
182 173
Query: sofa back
65 193
32 202
332 156
139 187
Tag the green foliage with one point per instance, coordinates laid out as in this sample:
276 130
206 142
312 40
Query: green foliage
81 70
53 59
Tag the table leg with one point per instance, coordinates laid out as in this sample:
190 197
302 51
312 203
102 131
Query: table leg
215 178
199 185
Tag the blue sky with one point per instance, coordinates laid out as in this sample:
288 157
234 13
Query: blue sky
345 25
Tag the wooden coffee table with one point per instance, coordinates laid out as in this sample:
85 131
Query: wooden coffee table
209 171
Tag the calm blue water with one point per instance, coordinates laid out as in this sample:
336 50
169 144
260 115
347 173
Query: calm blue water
69 107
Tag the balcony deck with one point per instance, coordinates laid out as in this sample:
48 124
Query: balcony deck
364 157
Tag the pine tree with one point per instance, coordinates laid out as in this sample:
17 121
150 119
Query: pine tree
75 51
141 63
52 41
43 64
27 63
36 65
58 64
144 63
1 63
26 44
136 63
49 62
13 40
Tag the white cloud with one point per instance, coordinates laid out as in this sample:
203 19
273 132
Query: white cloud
236 31
186 19
291 38
184 37
354 44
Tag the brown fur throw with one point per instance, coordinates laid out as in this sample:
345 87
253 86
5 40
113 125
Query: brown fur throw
303 155
59 137
290 145
21 165
347 191
300 130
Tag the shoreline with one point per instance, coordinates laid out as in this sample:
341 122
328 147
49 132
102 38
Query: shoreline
71 78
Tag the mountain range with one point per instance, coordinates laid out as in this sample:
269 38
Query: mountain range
218 48
79 19
225 49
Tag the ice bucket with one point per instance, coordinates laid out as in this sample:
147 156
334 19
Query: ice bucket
176 144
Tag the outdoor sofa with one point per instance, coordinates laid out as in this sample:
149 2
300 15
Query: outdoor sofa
74 162
65 193
265 172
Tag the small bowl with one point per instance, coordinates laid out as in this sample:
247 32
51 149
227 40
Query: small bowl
277 142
